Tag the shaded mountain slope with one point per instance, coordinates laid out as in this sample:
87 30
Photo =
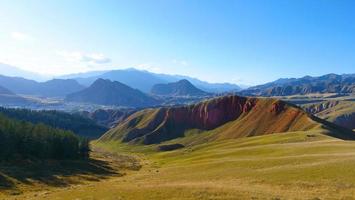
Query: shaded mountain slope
224 117
330 83
180 88
108 117
106 92
340 112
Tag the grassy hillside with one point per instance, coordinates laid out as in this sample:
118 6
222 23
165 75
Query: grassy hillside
21 178
290 156
295 165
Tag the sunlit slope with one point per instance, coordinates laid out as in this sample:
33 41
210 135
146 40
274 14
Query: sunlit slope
294 165
222 118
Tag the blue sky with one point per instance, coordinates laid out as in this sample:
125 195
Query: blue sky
248 42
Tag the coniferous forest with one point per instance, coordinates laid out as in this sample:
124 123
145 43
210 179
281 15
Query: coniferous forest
74 122
20 139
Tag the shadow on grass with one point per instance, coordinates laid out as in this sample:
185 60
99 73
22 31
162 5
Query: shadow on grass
335 130
53 173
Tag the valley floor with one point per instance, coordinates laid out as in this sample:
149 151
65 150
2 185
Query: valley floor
299 165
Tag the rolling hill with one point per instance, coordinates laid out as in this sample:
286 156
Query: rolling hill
330 83
219 118
180 88
106 92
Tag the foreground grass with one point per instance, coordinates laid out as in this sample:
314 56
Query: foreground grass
299 165
19 178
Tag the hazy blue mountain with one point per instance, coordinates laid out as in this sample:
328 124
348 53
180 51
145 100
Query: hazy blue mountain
8 98
330 83
52 88
83 74
106 92
19 85
203 85
59 87
5 91
8 70
179 88
144 80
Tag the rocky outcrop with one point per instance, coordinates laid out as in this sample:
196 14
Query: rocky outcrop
278 107
210 114
320 107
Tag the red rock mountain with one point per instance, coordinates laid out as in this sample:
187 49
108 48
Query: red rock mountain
223 117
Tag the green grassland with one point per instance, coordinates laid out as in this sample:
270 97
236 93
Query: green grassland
294 165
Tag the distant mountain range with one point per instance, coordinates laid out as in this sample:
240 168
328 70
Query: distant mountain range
330 83
52 88
179 88
144 80
106 92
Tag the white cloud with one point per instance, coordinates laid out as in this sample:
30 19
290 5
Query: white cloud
89 58
95 58
20 36
180 62
148 67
